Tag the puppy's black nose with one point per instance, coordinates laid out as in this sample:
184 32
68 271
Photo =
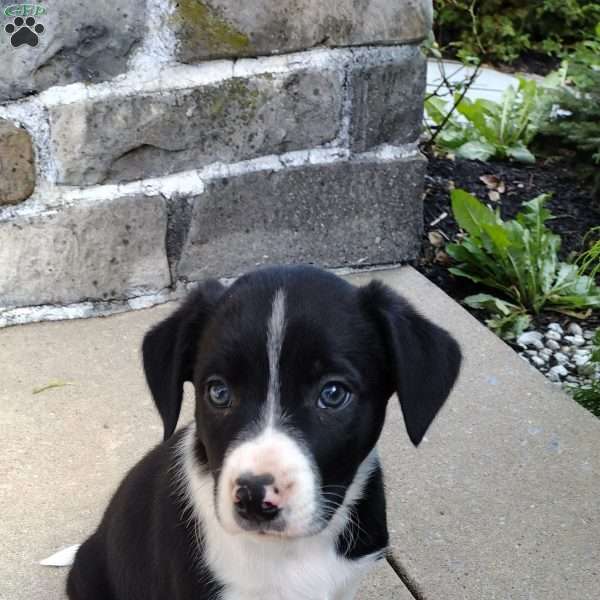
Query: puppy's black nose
250 500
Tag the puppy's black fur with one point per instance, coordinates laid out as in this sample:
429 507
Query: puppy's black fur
146 547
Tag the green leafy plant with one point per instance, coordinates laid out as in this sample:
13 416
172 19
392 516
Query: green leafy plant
576 105
588 262
519 258
502 30
507 320
589 395
490 129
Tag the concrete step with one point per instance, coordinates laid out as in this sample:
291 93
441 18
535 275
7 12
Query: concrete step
499 502
502 499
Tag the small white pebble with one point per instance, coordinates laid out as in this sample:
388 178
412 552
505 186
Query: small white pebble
575 340
553 345
582 352
559 370
553 335
574 329
555 327
537 361
561 358
530 338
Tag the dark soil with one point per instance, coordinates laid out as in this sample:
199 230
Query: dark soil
532 62
529 62
571 204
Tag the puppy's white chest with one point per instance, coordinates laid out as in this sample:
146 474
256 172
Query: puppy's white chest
304 572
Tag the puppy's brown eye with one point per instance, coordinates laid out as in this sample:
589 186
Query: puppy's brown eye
334 395
218 393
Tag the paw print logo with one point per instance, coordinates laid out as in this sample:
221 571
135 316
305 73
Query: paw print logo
24 31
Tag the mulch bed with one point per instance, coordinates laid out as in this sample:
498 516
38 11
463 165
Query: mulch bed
532 62
571 204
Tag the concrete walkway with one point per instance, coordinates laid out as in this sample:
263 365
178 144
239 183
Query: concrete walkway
490 84
502 500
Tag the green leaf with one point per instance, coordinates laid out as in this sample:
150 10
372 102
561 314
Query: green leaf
557 78
521 154
475 113
480 257
476 150
452 137
461 273
507 103
498 237
508 320
576 301
490 303
566 276
533 212
547 268
526 114
467 253
489 107
509 327
486 280
436 109
470 213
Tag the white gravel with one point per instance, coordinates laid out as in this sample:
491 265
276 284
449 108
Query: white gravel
563 355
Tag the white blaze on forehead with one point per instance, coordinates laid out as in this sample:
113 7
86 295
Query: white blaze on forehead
275 335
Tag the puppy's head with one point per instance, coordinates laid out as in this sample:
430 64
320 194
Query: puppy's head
292 369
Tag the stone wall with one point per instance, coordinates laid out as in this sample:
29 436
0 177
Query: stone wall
145 145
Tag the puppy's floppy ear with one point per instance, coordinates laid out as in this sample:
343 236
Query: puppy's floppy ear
169 348
424 358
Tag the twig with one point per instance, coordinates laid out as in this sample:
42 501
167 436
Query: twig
467 85
51 385
440 218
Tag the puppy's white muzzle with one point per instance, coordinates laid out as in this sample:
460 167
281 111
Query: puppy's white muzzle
268 484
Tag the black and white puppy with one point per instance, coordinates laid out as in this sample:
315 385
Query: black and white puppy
275 492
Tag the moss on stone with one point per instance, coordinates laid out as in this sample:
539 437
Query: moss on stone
235 92
204 26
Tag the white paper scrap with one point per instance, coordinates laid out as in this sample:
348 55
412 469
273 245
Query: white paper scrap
62 558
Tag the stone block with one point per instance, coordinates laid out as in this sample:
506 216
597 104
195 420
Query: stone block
80 41
17 172
228 28
101 250
358 212
124 138
387 98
